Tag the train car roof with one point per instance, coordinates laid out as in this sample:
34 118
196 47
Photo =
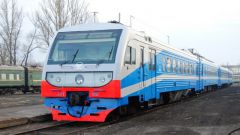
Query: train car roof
94 26
109 26
35 68
5 67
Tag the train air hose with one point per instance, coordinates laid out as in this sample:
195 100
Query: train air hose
80 112
83 106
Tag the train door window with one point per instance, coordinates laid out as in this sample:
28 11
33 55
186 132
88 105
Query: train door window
174 65
141 56
195 69
178 67
4 76
152 63
163 64
130 56
169 64
192 69
11 76
153 59
189 69
185 68
181 67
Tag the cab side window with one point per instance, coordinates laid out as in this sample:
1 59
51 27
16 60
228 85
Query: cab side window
127 58
130 56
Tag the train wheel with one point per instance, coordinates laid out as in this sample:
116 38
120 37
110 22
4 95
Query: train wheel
166 97
133 104
113 116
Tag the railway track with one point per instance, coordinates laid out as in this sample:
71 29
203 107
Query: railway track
66 128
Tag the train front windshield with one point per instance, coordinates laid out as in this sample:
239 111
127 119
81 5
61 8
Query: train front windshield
89 47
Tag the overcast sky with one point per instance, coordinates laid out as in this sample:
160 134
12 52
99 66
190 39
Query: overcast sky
210 26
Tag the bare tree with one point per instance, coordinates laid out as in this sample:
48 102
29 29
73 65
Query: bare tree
30 46
55 14
11 18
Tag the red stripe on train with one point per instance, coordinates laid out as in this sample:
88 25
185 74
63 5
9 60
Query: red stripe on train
111 90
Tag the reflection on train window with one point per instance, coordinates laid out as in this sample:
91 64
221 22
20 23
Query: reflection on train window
169 64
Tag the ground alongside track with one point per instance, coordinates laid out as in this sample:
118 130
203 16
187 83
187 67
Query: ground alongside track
216 113
21 109
7 101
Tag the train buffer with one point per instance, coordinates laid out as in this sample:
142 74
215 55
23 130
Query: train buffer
20 115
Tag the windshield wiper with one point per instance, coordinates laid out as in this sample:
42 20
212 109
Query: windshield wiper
74 56
100 62
110 53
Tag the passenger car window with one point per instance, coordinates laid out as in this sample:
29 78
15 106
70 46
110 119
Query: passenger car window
3 77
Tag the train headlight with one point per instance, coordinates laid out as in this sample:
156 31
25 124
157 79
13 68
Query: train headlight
79 79
102 79
58 79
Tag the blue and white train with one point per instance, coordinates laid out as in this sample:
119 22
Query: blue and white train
96 70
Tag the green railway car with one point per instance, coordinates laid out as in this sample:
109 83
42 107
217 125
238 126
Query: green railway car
11 79
17 78
34 78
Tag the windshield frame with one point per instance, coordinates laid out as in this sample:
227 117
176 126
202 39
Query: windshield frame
113 51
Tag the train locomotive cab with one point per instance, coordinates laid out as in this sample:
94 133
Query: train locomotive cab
80 81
